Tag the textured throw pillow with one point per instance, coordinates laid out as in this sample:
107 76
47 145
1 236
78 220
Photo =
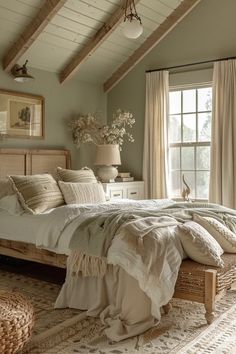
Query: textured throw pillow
225 237
200 245
37 193
82 193
85 175
5 187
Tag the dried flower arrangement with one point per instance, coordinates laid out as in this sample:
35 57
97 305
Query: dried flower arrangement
88 129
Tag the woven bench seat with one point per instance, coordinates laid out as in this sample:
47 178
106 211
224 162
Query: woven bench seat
16 322
205 284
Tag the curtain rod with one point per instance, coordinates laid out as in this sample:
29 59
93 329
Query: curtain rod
190 64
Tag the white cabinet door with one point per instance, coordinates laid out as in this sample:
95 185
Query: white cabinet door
130 190
117 193
133 192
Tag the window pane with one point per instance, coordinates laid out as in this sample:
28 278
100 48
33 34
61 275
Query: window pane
205 99
174 129
189 127
189 101
203 157
175 184
204 127
175 102
202 185
174 158
190 180
187 158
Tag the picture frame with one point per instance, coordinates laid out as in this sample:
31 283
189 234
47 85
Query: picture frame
21 115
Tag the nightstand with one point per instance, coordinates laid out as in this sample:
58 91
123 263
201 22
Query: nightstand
130 190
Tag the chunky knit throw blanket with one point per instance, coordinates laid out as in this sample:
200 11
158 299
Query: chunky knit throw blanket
93 237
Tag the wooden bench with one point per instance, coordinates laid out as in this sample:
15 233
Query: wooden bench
205 284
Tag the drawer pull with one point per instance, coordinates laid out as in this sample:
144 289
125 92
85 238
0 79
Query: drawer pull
133 193
116 195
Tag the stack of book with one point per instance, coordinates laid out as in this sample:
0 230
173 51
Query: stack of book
124 177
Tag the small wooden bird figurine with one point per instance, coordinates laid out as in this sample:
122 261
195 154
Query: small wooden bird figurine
186 190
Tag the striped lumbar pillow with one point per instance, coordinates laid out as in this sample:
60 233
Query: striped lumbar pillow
37 193
82 193
85 175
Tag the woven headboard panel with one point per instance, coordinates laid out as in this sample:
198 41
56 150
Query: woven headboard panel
31 161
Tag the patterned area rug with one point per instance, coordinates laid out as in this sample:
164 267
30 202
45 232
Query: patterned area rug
182 331
219 338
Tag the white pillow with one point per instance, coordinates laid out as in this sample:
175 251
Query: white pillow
11 204
225 237
82 193
5 187
200 245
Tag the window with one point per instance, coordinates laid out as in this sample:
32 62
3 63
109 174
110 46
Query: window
189 135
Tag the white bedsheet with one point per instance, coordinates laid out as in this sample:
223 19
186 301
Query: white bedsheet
53 229
31 229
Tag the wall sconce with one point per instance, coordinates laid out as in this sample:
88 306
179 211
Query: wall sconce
133 25
20 73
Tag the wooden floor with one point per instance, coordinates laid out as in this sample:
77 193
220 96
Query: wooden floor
33 269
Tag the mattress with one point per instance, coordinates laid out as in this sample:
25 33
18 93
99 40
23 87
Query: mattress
24 228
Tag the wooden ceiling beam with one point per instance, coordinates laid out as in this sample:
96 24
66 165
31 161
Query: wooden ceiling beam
31 32
161 31
72 67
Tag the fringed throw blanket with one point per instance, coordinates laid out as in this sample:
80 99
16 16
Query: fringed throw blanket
124 263
93 237
86 264
143 242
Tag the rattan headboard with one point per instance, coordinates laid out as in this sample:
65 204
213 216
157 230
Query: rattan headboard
32 161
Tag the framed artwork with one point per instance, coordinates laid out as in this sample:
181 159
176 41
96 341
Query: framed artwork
21 115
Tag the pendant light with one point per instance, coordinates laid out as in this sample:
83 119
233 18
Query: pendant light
133 25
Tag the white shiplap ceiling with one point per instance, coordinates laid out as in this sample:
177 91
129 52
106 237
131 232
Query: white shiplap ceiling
72 27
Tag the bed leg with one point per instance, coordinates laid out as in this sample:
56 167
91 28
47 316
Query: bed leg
167 308
210 294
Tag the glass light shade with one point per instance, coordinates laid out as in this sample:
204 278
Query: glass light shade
23 78
132 29
107 155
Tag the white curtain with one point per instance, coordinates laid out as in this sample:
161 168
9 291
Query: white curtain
155 135
223 142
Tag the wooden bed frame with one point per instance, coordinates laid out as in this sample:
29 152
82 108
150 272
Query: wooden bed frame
30 252
196 282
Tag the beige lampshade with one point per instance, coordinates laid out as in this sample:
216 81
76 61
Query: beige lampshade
107 155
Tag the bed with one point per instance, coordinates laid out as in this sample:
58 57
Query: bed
124 302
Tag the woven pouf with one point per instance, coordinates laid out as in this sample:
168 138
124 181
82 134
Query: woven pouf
16 322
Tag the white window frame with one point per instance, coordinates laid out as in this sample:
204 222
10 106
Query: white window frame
187 144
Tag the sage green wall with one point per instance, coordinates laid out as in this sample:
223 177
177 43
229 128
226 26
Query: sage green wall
62 102
208 32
